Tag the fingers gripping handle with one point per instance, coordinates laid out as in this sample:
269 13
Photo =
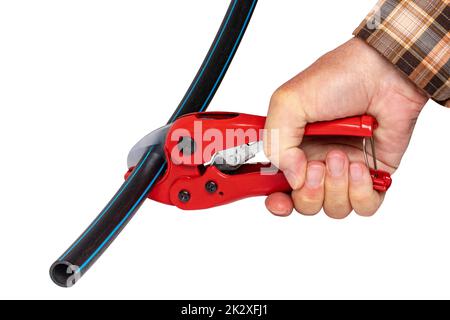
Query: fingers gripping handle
361 126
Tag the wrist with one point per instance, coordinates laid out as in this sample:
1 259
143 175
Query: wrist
384 76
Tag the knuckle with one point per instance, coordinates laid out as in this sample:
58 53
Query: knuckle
308 211
366 209
358 198
285 96
307 204
337 210
363 204
366 212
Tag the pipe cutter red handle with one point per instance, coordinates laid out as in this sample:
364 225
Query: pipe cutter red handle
195 179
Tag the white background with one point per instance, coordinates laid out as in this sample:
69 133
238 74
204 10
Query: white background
72 77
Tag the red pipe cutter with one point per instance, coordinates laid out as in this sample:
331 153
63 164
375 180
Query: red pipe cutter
208 158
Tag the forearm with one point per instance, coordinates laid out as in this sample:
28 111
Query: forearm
414 36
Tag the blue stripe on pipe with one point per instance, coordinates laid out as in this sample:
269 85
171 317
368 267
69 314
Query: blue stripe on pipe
147 190
121 190
229 57
117 228
204 67
175 116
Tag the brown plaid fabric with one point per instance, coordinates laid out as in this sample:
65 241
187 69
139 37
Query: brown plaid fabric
413 35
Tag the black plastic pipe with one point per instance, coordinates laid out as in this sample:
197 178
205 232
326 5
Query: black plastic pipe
83 253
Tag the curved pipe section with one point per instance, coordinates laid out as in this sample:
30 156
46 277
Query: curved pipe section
85 251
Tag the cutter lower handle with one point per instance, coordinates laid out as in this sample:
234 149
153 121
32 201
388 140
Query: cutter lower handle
215 188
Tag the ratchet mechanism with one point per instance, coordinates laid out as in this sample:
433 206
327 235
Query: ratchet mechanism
209 158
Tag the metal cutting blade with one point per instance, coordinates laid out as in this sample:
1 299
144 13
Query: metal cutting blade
156 137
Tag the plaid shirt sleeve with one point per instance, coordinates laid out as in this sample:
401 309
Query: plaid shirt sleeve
414 36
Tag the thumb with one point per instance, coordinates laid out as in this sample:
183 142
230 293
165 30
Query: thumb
285 126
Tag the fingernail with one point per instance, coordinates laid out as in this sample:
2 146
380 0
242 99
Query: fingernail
291 177
314 176
356 172
335 164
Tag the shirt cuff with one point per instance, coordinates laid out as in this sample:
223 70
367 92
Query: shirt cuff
414 36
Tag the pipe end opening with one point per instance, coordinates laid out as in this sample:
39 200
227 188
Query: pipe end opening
64 274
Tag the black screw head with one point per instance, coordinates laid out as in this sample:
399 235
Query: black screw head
211 187
184 196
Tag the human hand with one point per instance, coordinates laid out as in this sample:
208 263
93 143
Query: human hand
330 173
